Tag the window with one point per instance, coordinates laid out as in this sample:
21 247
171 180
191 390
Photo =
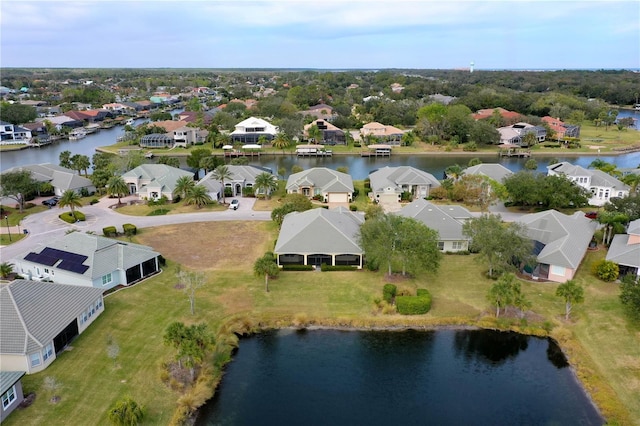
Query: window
35 359
46 271
47 352
8 397
440 245
457 245
106 279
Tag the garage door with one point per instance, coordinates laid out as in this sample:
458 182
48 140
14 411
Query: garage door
338 198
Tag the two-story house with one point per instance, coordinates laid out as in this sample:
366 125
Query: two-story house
603 186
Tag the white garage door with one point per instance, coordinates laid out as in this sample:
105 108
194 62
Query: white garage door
338 198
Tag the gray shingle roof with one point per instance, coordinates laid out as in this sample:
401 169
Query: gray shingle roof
327 180
493 171
163 178
566 238
33 313
623 253
320 231
398 176
104 255
598 177
444 219
8 379
59 177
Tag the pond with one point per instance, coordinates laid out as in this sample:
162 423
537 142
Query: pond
444 377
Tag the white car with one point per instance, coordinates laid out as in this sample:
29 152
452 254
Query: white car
234 204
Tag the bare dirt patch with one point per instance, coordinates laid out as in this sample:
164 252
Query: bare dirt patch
210 245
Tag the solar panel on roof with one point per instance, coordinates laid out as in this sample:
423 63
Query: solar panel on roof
41 259
64 255
73 267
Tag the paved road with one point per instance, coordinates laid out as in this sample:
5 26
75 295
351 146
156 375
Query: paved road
46 226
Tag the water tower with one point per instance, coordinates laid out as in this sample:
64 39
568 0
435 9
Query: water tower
471 67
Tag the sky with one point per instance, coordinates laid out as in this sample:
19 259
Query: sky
321 34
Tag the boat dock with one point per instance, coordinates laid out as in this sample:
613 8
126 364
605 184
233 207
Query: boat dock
515 152
313 151
377 150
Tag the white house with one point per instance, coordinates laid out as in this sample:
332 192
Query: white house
40 319
250 130
11 134
153 181
388 184
90 261
603 186
60 178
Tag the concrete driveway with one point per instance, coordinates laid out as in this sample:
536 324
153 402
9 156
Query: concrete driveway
45 226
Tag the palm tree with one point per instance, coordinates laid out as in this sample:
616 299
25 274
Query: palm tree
633 180
184 184
454 172
267 267
281 141
197 195
315 133
572 293
6 269
266 182
222 173
70 199
117 187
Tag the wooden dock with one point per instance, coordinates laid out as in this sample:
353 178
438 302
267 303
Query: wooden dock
236 154
515 152
377 150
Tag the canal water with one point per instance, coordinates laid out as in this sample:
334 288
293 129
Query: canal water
445 377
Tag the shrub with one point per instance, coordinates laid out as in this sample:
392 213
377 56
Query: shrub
129 229
328 268
606 270
414 305
356 192
80 216
94 201
84 192
158 212
248 192
297 267
389 292
406 196
353 207
69 218
109 231
470 147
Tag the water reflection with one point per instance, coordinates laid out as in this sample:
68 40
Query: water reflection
493 346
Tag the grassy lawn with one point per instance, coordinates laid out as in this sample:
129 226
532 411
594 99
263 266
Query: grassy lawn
173 208
601 344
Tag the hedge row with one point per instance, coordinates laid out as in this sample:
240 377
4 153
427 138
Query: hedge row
129 229
328 268
69 218
297 267
110 231
389 292
414 305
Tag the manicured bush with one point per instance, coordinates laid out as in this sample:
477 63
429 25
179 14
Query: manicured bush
297 267
470 147
328 268
248 192
129 229
606 270
353 207
158 212
414 305
109 231
94 201
69 218
389 292
80 216
423 292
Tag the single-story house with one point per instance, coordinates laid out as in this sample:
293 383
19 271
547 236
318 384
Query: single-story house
388 183
90 261
331 185
241 177
508 116
331 135
40 319
625 250
603 186
60 178
493 171
446 219
560 243
250 131
318 236
10 391
389 135
153 181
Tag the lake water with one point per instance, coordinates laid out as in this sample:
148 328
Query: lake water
446 377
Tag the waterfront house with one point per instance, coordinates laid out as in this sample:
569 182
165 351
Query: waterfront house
10 392
40 319
12 134
60 178
562 129
388 184
603 186
388 135
251 130
331 135
89 260
195 116
320 236
153 181
241 177
625 250
509 117
447 220
514 134
560 243
329 186
493 171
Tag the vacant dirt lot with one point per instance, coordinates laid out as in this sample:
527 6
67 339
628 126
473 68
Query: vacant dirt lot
211 245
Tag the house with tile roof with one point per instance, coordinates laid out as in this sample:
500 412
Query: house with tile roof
60 178
560 243
330 185
40 319
389 135
250 131
242 176
90 261
11 392
331 135
447 220
388 184
508 116
562 129
153 181
320 236
493 171
320 111
602 185
625 250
